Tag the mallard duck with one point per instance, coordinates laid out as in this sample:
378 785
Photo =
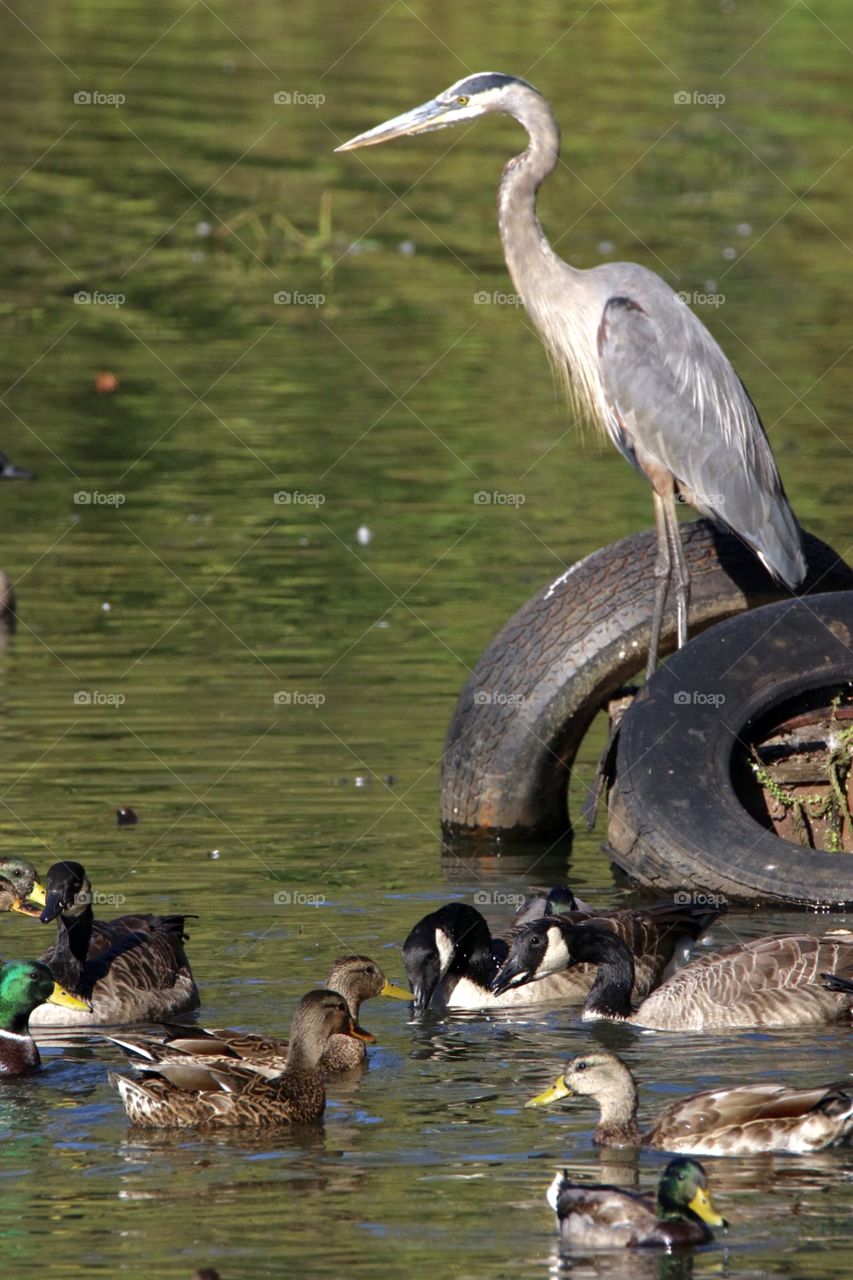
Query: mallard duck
195 1095
25 984
606 1217
20 889
132 969
737 1121
356 978
451 957
769 982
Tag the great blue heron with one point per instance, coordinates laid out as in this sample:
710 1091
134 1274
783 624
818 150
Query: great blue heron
632 357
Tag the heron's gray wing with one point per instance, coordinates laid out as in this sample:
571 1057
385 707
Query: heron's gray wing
679 403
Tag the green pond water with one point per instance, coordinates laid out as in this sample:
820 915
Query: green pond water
269 692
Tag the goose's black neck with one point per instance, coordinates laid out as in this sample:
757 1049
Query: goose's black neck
610 995
68 957
472 950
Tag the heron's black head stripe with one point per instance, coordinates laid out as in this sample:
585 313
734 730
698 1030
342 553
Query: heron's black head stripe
484 80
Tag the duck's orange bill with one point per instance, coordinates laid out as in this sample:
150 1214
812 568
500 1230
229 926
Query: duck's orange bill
359 1033
35 895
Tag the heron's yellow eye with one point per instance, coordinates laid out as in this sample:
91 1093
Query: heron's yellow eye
462 101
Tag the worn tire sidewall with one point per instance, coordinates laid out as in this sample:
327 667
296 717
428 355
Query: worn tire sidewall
674 761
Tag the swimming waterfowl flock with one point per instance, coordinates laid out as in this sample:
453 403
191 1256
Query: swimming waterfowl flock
614 963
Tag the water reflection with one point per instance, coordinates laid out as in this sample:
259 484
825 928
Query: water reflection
201 598
628 1264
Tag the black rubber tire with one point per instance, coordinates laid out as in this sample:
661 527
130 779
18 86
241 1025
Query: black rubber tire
560 658
675 819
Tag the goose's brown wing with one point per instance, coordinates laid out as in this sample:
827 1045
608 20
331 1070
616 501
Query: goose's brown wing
767 982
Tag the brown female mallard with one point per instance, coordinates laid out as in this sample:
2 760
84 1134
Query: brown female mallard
607 1217
20 889
735 1121
769 982
451 957
132 969
24 985
192 1094
356 978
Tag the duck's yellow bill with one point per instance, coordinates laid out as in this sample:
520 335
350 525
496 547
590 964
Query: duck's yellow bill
396 993
559 1089
702 1207
60 996
36 895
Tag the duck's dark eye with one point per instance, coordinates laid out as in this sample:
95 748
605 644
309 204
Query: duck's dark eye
462 100
580 1066
537 940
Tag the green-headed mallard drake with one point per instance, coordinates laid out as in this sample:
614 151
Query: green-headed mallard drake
195 1095
607 1217
451 957
20 889
736 1121
24 985
132 969
769 982
356 978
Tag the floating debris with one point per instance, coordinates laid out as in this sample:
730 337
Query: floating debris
125 817
106 383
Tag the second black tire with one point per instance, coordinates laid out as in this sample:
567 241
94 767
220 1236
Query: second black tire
676 821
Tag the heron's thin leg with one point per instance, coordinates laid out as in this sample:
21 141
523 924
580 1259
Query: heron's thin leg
662 573
681 574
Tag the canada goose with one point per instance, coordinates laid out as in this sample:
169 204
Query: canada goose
451 957
132 969
768 982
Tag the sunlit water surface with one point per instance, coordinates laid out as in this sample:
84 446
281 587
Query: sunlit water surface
270 692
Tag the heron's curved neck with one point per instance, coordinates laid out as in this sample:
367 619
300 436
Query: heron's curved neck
525 247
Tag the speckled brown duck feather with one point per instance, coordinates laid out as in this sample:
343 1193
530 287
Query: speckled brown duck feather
191 1094
736 1121
356 978
132 969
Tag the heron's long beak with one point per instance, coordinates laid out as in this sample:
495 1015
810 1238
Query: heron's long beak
422 119
559 1089
702 1207
396 993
